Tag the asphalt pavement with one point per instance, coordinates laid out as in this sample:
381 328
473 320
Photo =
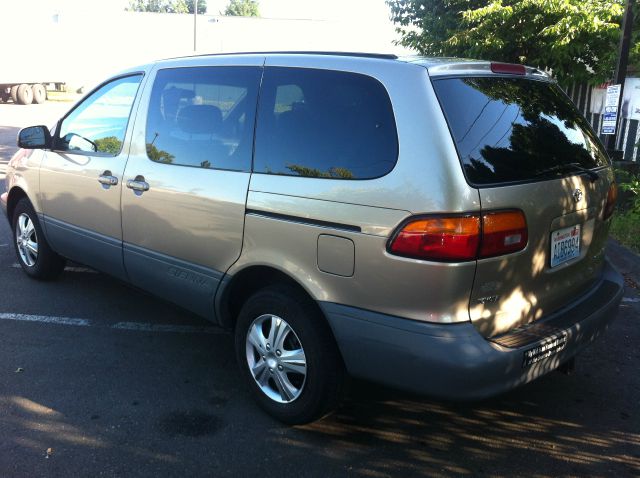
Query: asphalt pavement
99 379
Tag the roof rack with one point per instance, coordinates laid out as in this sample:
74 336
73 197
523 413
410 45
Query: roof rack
382 56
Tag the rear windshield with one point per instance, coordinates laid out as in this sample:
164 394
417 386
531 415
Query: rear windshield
510 130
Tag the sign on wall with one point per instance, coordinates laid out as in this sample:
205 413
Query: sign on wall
611 110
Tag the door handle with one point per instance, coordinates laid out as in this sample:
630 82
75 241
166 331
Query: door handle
139 185
107 180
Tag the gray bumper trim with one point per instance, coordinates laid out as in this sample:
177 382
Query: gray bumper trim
454 361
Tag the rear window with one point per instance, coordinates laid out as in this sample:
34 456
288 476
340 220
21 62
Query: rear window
510 130
324 124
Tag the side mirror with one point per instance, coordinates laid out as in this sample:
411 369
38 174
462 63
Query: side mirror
35 137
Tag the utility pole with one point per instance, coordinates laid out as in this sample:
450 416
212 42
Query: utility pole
621 68
195 23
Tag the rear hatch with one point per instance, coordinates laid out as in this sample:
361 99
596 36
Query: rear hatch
525 146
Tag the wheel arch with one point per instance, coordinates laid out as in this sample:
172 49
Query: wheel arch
15 194
237 288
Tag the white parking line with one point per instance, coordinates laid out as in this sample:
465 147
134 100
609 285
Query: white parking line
67 269
46 319
182 329
630 299
135 326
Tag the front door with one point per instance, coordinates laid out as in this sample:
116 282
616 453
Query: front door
81 178
186 181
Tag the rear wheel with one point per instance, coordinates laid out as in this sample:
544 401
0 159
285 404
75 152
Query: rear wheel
25 94
14 93
35 256
287 353
39 93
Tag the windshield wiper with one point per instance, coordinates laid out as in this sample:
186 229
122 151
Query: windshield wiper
568 167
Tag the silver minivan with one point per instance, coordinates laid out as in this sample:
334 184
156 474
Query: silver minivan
436 225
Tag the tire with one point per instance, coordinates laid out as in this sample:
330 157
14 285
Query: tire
39 93
307 396
25 94
14 93
42 263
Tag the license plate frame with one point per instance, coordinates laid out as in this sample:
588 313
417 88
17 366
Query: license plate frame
565 245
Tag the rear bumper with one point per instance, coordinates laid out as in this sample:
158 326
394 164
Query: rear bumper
454 361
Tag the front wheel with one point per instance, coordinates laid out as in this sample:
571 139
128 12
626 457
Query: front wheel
287 353
35 256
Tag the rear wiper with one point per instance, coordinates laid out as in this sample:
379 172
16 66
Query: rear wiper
593 176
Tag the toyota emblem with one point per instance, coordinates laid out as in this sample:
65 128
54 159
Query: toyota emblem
577 195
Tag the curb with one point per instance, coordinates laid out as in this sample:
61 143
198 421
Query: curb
626 261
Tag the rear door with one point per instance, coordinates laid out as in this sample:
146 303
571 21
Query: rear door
187 177
524 145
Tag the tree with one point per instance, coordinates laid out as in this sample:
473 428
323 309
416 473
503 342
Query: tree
202 6
158 6
242 8
576 39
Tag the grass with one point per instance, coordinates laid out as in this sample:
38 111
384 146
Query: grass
625 228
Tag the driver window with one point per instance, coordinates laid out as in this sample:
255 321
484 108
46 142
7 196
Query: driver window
99 123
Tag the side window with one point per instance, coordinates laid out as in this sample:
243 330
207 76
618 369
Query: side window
99 123
203 117
324 124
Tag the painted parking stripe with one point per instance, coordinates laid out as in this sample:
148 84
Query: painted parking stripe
134 326
46 319
630 299
67 269
183 329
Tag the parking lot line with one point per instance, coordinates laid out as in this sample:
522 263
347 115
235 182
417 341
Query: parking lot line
46 319
135 326
67 269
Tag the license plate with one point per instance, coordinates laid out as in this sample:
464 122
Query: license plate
565 244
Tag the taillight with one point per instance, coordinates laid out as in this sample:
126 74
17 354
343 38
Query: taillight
461 238
612 198
503 232
453 239
508 68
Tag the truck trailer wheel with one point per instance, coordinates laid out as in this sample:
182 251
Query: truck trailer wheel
25 94
39 93
14 93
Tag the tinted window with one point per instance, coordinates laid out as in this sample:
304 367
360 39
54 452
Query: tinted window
203 117
99 123
513 130
326 124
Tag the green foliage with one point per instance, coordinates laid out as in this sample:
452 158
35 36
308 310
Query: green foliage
242 8
335 173
166 6
577 39
202 6
158 155
110 144
629 183
624 229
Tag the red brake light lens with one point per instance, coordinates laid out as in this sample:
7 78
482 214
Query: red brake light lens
503 232
508 68
444 239
612 198
461 238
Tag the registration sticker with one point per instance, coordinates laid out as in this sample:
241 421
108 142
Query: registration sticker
565 244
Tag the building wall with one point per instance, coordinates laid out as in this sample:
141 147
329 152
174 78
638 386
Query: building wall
81 47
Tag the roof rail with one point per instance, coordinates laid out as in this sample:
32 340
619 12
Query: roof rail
382 56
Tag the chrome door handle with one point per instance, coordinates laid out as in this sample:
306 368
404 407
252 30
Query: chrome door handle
107 180
139 185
